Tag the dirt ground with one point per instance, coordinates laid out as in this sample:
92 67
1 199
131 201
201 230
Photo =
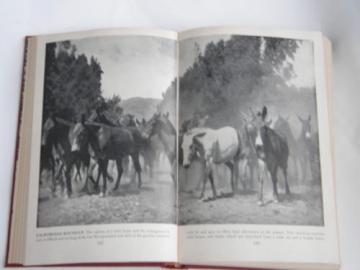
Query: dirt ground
154 202
304 207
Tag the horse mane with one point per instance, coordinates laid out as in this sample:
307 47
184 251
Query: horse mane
169 126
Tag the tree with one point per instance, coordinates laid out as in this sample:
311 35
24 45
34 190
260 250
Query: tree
223 78
72 82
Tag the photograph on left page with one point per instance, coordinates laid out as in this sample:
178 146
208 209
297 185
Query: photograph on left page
108 140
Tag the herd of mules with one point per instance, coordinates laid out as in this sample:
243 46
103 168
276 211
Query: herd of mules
256 148
66 147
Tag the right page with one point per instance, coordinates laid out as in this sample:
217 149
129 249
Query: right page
256 183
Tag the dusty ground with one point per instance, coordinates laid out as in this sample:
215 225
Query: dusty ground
154 202
304 207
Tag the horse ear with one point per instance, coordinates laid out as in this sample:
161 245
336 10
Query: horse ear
167 114
264 113
309 119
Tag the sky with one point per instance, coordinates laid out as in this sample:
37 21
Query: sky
133 66
303 62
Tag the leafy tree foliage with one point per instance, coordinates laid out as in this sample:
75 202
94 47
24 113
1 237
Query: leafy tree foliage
72 84
225 76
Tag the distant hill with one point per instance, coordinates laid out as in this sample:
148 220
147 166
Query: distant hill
140 107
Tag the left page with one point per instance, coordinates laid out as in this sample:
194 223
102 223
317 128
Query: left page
102 181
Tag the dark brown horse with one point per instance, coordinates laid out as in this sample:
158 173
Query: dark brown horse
106 143
272 151
282 127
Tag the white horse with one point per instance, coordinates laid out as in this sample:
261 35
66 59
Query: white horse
213 147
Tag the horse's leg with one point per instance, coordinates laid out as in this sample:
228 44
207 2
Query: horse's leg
69 164
251 176
103 164
293 158
243 167
230 165
53 180
137 166
100 173
303 168
236 173
287 188
91 170
261 175
86 185
151 167
88 175
77 168
211 178
204 180
111 179
273 173
120 171
60 171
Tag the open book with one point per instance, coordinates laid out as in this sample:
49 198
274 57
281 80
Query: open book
204 148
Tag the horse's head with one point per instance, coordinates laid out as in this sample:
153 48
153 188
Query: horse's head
94 116
148 128
157 124
191 147
258 124
305 127
78 136
47 127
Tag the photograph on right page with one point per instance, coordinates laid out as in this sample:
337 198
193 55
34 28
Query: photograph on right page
248 132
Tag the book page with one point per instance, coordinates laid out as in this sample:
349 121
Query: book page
102 174
256 183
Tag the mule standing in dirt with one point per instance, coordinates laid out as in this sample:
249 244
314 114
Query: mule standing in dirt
213 146
272 152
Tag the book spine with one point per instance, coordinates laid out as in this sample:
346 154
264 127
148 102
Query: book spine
22 88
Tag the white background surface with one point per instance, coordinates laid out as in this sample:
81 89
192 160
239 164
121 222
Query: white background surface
339 20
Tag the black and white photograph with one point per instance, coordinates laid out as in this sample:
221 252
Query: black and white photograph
248 132
108 140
